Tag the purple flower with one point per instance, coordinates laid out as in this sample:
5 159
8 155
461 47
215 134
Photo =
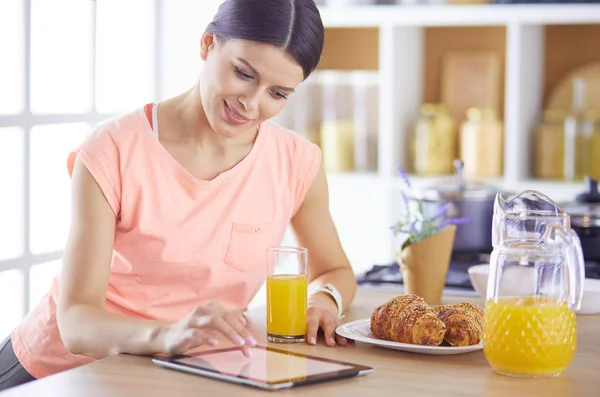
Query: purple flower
413 227
403 175
442 211
454 221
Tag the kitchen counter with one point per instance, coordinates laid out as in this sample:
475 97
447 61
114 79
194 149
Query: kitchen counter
396 373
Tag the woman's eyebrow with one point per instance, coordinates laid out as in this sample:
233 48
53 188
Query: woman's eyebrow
253 70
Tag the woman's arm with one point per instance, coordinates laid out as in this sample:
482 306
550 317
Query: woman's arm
85 326
315 230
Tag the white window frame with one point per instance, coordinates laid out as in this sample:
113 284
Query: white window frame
26 120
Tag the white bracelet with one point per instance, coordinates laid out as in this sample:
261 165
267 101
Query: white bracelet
334 293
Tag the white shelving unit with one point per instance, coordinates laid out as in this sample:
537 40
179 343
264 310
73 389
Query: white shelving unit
460 15
364 220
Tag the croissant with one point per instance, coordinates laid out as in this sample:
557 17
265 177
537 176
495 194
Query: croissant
464 323
407 319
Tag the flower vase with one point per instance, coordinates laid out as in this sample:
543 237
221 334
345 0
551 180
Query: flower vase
424 265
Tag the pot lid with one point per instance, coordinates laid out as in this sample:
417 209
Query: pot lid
585 210
456 188
591 195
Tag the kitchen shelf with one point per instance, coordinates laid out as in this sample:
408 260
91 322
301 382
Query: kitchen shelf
460 15
402 47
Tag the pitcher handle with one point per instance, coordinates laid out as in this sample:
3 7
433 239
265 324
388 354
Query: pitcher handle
575 269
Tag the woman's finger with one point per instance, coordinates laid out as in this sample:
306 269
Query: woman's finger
312 328
217 323
340 339
190 339
328 325
247 350
199 338
233 319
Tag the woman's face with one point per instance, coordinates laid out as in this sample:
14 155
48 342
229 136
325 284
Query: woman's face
244 83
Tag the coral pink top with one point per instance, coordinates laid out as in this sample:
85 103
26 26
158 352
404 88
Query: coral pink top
180 241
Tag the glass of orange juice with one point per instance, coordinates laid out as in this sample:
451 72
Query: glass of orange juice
287 290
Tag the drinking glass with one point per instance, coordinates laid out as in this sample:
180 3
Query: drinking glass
287 290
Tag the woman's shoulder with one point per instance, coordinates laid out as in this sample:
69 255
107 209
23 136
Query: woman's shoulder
124 128
289 141
297 159
109 140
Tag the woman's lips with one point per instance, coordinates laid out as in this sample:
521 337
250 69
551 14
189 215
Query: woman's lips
234 116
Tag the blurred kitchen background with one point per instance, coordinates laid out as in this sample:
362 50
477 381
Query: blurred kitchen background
512 90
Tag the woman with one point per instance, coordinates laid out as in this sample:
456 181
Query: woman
174 205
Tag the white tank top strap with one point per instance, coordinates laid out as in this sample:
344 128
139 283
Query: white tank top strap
155 118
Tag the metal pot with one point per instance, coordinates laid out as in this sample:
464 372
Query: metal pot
473 201
585 219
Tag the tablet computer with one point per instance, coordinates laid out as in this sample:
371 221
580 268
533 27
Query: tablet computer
268 368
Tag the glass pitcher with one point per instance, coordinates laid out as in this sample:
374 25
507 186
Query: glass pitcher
534 287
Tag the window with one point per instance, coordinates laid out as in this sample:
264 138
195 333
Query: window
50 194
11 295
12 66
125 54
183 23
11 202
61 57
67 65
40 280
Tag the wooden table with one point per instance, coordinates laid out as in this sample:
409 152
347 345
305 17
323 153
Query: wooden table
396 373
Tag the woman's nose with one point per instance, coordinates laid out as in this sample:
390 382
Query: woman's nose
250 100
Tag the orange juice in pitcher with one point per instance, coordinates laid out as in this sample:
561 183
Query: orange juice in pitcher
535 285
530 336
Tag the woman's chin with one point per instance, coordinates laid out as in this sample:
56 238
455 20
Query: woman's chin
230 131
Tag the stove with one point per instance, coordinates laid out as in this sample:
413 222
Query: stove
457 279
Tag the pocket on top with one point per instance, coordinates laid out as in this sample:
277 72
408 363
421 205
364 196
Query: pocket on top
248 245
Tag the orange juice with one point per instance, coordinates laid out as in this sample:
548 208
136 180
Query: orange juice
286 305
529 336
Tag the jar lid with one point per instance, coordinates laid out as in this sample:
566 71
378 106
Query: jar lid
457 188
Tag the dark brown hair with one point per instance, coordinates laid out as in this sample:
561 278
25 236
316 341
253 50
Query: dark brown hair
292 25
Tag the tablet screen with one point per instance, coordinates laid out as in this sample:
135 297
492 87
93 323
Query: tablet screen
264 366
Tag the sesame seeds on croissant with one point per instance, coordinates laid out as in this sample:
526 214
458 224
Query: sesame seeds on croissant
407 319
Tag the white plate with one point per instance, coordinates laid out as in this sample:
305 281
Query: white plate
360 331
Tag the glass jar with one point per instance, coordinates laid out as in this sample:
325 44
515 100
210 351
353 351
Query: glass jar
482 144
434 144
593 116
578 132
338 128
549 145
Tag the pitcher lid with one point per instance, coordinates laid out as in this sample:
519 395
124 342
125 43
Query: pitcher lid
457 188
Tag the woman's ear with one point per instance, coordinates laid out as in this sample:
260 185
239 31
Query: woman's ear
207 44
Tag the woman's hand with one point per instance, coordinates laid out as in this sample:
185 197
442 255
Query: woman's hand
322 313
203 327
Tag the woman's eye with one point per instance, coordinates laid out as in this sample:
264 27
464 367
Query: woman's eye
242 74
278 95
